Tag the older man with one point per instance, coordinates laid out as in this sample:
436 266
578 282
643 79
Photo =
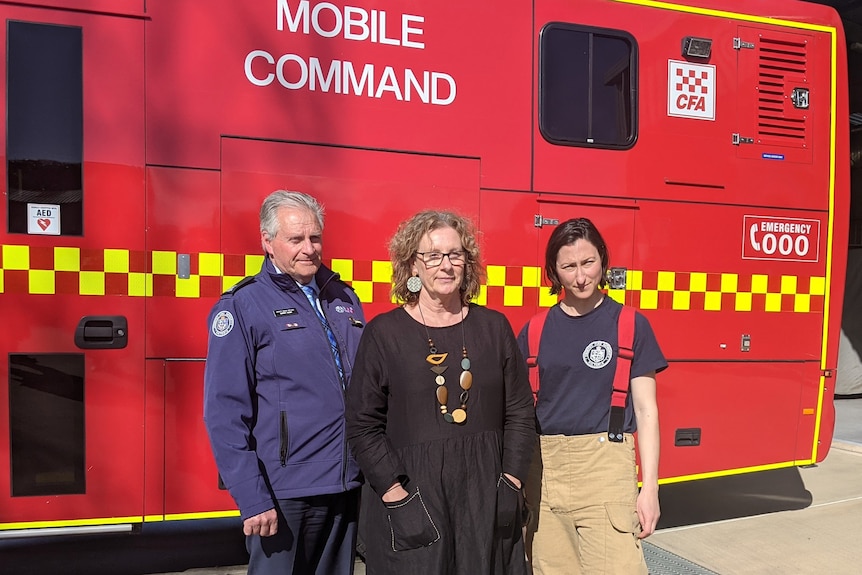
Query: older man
281 348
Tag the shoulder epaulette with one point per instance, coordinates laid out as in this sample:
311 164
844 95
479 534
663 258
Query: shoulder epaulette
239 285
348 286
336 277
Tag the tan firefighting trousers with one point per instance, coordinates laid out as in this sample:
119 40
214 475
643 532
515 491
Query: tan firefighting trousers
581 495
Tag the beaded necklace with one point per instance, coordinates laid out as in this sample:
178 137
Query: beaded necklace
458 415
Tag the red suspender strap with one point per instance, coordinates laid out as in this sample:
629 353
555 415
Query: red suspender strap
622 376
534 334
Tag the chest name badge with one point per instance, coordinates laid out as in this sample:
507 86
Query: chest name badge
284 312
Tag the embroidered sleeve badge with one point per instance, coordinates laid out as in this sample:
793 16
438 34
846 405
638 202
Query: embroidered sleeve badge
222 323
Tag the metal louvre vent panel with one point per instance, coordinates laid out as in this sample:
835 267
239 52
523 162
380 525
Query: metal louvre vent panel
782 67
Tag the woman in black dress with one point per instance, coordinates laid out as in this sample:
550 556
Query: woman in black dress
440 415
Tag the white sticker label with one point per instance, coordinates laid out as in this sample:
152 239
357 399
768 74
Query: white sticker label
780 238
690 90
43 219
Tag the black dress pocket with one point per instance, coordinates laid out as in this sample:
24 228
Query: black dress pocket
510 506
410 524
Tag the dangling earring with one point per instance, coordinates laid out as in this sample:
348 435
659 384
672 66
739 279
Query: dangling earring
414 284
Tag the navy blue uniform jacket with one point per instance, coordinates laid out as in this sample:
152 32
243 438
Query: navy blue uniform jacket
273 398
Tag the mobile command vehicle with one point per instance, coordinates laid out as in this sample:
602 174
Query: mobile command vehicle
702 137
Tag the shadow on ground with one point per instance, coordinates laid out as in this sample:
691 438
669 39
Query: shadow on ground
157 549
732 497
164 548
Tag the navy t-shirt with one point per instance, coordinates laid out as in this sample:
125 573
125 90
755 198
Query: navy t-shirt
577 359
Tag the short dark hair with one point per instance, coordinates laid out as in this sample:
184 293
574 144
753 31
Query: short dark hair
566 234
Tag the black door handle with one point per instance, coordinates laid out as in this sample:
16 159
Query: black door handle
102 332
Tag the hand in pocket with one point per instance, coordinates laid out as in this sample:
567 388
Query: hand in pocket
510 503
410 524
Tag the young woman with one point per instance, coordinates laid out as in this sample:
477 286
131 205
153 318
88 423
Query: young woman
591 516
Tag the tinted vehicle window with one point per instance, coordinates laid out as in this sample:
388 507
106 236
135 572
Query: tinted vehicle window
587 86
46 424
44 138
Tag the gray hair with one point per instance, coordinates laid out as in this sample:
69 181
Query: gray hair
286 199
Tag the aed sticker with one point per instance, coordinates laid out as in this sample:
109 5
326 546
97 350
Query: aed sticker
690 90
777 238
43 219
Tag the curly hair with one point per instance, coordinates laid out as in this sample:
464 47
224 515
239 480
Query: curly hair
566 234
405 243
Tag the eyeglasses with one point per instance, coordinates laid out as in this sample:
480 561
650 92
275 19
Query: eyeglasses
434 259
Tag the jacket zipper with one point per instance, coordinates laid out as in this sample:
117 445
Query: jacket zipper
282 438
345 455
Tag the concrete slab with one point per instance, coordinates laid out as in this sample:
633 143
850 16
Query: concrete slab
821 537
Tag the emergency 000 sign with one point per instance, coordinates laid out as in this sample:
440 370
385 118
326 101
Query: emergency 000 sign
773 238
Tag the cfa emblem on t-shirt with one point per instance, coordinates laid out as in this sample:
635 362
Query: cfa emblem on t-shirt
598 354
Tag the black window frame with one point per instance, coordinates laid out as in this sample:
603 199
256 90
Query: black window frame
50 104
632 108
47 424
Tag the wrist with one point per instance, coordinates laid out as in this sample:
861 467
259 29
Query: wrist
514 480
394 493
649 486
394 486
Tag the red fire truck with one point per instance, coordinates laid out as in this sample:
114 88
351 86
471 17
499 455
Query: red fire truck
706 138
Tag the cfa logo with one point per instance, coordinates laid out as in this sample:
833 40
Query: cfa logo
684 102
691 90
598 354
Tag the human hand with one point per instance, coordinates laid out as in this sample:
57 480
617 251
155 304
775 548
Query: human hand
648 511
264 524
395 493
515 481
